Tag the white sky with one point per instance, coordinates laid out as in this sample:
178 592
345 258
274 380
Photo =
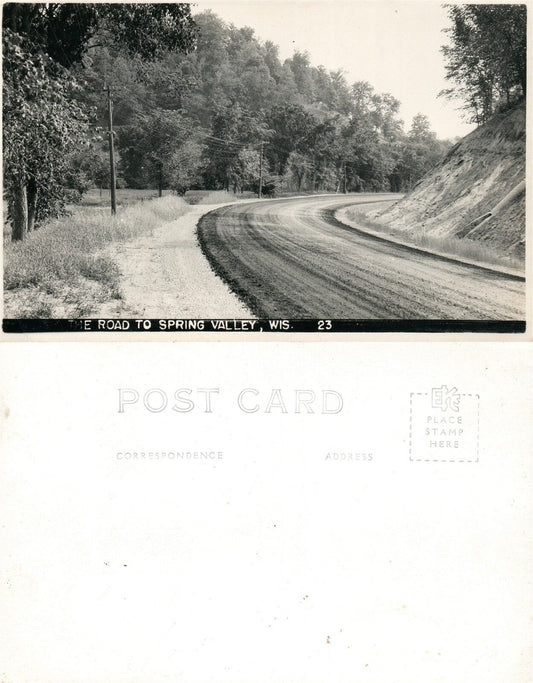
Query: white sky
392 44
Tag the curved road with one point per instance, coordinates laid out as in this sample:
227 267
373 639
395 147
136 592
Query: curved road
290 258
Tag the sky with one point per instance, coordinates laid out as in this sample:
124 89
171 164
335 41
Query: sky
392 44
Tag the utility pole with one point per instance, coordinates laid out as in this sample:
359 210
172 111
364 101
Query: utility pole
111 133
260 193
345 176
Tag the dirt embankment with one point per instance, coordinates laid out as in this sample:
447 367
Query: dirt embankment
477 192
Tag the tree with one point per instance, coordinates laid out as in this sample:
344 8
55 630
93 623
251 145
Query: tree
233 129
86 167
292 126
486 57
245 170
41 124
149 144
298 166
42 120
300 67
417 154
421 129
185 166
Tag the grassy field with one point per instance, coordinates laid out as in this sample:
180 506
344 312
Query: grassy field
62 269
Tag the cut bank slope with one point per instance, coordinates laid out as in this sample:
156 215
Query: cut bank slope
477 192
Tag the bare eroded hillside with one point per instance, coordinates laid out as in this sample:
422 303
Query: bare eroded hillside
477 192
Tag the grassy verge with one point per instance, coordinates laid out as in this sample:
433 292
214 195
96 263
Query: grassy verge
61 270
462 248
204 197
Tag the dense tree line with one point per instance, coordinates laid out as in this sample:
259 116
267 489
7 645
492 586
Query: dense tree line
202 119
196 104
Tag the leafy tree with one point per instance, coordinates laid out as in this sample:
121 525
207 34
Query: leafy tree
300 67
486 57
61 31
43 122
86 167
417 155
421 130
245 170
298 167
271 57
233 129
185 166
292 127
148 147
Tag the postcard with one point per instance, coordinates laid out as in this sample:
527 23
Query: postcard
265 364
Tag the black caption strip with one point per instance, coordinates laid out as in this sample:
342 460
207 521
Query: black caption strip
15 325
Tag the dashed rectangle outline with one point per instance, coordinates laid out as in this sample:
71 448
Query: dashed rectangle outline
421 393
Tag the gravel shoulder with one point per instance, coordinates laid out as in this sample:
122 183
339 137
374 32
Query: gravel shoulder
165 275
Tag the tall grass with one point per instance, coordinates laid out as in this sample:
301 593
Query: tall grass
125 197
66 250
211 196
476 251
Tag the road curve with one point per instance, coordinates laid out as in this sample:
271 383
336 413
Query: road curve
290 258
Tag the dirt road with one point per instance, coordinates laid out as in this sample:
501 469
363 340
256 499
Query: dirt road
164 275
292 259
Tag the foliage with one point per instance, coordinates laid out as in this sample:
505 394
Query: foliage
146 146
416 155
292 127
196 118
184 166
486 57
41 123
63 31
44 119
88 166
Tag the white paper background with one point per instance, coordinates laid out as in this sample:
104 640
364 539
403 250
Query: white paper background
272 564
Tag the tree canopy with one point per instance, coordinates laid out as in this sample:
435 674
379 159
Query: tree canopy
64 31
233 93
196 104
486 57
42 122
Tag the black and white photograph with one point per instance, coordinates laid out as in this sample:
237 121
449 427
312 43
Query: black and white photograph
349 501
255 166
